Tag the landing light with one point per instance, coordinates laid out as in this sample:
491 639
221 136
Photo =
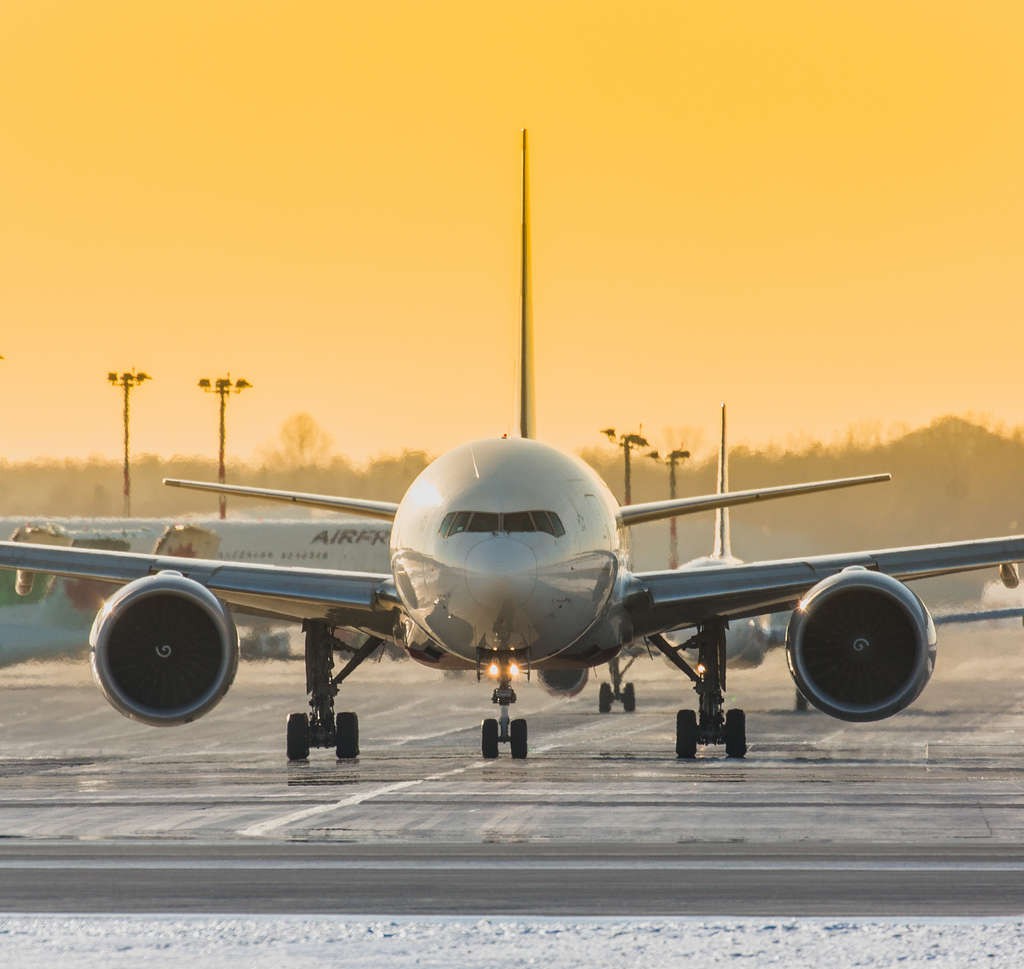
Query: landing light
493 669
701 668
513 669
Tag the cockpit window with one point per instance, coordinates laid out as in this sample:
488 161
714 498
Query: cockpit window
484 521
518 522
548 521
455 522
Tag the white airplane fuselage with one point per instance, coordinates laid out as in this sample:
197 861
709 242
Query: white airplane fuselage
508 546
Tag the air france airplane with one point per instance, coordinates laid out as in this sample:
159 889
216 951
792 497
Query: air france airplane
506 556
42 618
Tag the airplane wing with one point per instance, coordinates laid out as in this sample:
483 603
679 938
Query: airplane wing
660 601
384 510
980 615
654 510
359 600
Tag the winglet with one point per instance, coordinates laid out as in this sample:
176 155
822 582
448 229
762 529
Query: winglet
525 416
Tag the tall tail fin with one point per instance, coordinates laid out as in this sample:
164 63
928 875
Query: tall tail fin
525 416
723 539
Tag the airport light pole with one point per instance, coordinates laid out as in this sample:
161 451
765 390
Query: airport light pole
127 381
672 459
223 387
627 442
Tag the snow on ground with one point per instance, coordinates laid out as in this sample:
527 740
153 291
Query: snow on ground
84 942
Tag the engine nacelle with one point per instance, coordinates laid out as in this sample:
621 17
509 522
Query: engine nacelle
563 682
164 649
861 645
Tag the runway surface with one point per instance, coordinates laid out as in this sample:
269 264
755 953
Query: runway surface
919 815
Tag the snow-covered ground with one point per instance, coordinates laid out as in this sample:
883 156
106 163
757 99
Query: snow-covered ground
84 942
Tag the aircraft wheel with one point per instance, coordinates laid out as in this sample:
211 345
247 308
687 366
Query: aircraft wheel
346 732
489 738
298 736
604 698
686 735
517 739
735 734
629 698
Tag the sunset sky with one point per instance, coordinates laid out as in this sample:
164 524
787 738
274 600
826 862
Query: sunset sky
813 211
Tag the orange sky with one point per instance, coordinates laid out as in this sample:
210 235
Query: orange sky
811 210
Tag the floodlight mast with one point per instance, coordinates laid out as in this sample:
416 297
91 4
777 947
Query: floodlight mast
223 386
127 381
672 459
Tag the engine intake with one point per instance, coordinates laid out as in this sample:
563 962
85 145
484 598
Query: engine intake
164 649
861 646
563 682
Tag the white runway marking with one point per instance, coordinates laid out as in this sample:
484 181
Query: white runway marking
262 828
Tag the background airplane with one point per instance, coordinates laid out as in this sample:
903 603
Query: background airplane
750 639
44 616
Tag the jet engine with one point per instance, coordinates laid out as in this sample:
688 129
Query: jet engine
164 649
563 682
861 645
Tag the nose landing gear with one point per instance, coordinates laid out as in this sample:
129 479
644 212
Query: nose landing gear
715 726
502 730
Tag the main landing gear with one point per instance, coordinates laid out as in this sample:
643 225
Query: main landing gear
615 692
715 726
320 727
501 730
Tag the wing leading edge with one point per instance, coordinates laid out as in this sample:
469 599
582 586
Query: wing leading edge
355 599
384 510
654 510
659 601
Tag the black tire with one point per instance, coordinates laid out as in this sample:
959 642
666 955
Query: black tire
629 698
346 735
298 736
800 704
604 698
735 734
686 735
517 739
489 739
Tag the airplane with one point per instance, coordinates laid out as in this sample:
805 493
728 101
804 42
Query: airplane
750 639
508 555
50 617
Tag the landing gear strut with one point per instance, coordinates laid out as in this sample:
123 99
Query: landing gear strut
502 730
320 727
616 692
714 726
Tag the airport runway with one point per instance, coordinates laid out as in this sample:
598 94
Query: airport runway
919 815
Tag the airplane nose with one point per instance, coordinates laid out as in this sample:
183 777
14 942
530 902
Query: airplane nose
501 570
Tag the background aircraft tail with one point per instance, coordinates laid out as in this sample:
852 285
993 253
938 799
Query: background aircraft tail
723 539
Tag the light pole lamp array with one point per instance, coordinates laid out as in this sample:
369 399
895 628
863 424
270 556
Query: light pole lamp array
672 459
223 387
627 442
127 381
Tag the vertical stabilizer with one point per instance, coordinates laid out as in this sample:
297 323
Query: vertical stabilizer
525 416
723 542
